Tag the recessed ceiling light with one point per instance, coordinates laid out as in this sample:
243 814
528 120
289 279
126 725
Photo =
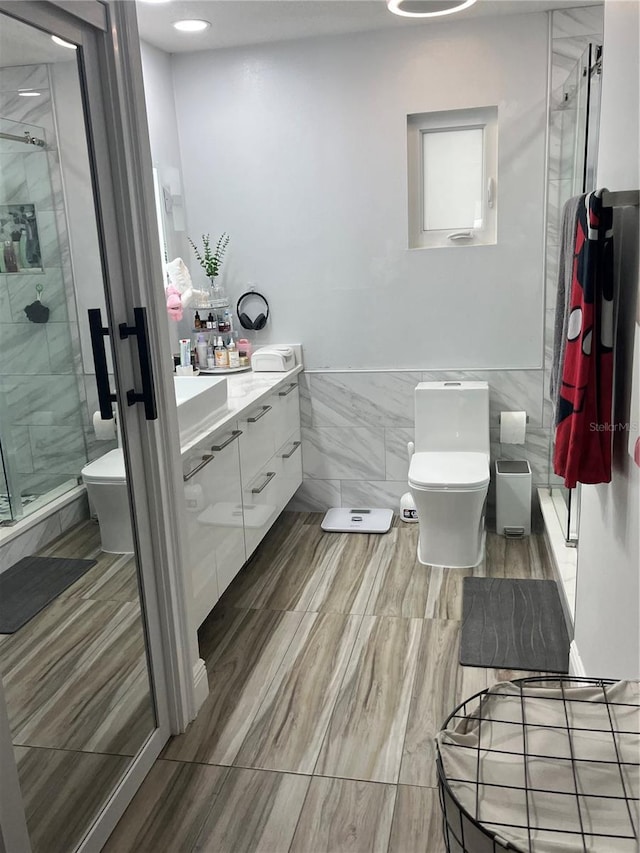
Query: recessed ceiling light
427 8
191 26
28 93
64 43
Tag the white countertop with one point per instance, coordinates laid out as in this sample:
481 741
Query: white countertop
243 391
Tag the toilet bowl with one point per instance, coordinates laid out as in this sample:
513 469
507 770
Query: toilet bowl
449 472
106 483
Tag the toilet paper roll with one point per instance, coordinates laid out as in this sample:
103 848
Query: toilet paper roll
104 430
513 427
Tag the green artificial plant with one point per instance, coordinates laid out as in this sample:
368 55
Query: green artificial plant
211 261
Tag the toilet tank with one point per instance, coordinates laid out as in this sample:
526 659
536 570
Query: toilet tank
452 416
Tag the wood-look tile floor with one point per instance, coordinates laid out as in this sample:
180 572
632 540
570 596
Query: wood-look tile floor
332 661
77 693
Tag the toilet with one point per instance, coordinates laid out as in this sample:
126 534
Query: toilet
106 484
449 471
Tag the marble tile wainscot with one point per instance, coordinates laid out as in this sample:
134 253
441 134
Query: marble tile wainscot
356 425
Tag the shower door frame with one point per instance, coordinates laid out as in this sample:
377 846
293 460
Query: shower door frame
117 132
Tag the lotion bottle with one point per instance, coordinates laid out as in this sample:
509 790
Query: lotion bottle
201 349
233 354
221 355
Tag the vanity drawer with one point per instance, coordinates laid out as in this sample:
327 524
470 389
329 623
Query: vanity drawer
290 456
286 405
262 502
257 443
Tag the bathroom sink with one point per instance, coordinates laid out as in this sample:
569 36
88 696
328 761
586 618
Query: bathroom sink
199 400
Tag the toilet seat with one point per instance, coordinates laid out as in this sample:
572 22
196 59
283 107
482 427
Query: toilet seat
456 471
108 469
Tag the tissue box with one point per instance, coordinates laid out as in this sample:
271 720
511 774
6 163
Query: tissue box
273 359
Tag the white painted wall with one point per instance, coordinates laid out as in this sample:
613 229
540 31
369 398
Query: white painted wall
607 625
165 152
298 150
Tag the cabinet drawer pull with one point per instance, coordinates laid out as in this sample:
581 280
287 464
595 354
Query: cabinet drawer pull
205 461
289 390
235 434
255 418
296 445
270 476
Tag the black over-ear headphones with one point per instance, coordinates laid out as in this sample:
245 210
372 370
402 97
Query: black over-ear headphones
245 321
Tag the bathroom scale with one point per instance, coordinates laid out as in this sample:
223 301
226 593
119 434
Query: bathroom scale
341 520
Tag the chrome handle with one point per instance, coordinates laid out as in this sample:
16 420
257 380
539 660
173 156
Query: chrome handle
235 434
205 461
461 235
296 445
270 476
289 390
255 418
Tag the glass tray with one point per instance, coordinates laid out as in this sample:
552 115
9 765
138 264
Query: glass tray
215 370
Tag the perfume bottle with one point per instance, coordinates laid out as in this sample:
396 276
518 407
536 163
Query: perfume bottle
10 260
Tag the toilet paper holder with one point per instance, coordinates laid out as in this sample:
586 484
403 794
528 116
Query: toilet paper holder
513 427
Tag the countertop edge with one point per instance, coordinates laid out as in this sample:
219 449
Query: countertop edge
239 403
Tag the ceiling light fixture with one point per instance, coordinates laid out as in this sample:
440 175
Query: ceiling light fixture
419 8
28 93
64 43
191 26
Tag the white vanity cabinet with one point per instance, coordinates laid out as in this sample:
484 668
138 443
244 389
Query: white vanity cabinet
237 480
215 521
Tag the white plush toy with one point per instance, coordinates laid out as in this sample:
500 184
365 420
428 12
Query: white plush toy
180 280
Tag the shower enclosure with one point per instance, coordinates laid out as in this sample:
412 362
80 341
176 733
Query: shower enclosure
43 414
575 122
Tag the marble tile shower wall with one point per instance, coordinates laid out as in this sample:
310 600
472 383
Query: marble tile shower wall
355 429
41 374
572 32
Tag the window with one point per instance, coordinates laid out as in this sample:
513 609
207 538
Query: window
452 159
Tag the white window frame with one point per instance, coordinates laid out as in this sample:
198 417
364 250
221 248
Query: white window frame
418 124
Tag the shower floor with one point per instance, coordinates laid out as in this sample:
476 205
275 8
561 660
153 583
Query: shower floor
36 502
5 508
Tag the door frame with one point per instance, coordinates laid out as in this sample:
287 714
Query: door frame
122 169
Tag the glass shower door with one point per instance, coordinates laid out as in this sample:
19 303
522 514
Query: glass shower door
43 418
579 146
82 662
6 509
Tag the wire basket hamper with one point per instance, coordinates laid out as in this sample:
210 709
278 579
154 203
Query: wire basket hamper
542 764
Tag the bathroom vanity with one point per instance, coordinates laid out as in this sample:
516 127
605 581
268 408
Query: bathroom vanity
239 473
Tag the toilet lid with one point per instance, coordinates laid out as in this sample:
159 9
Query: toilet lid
107 469
455 470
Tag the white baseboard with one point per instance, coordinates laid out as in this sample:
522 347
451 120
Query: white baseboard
200 685
576 667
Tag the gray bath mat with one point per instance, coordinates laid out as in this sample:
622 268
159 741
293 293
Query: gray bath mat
513 624
31 584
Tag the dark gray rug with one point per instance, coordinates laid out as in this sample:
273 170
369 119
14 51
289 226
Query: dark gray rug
31 584
513 624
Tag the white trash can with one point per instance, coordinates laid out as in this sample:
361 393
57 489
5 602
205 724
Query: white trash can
513 498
